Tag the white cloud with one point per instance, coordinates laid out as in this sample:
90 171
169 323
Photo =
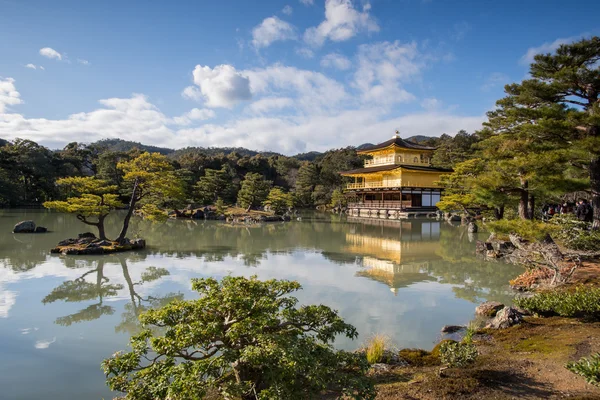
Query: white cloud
313 91
383 67
272 29
8 299
287 10
42 68
8 94
431 104
195 114
342 21
547 47
30 66
267 104
495 79
83 62
293 110
336 60
51 53
305 52
307 2
221 86
44 344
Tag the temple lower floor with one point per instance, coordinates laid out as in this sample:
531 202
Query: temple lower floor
394 204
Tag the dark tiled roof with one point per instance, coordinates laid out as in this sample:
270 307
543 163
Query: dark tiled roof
395 166
398 141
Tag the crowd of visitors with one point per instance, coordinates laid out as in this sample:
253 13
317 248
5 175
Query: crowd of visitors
582 209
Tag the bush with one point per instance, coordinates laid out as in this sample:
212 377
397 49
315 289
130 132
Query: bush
589 368
456 354
575 234
375 348
244 339
583 302
527 229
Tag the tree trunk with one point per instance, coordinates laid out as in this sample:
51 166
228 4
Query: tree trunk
100 226
524 200
499 212
132 203
595 186
531 207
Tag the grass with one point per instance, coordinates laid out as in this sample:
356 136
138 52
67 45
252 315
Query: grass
375 348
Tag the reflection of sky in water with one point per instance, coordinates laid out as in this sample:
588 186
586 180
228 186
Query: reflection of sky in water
407 288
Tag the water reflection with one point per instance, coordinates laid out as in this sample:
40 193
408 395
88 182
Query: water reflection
74 311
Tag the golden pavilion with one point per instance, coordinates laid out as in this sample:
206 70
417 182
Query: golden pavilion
397 181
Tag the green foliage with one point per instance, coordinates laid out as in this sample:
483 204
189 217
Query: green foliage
254 191
452 150
582 302
338 199
575 234
243 338
220 207
460 355
589 368
91 200
215 184
527 229
278 201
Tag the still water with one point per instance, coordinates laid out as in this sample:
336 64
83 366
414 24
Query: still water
61 316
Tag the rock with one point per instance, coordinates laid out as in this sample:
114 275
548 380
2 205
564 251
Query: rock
40 229
198 214
505 318
381 368
452 328
472 227
85 240
482 247
67 242
24 227
454 218
503 246
104 243
138 243
86 235
488 308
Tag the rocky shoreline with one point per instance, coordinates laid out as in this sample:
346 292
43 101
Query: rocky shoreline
88 244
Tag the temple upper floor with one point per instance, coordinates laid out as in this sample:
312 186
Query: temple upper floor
397 151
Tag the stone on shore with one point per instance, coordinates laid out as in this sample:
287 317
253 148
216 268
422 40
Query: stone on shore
488 309
452 328
505 318
24 227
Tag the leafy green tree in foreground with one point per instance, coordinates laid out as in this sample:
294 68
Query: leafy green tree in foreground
279 201
90 199
254 191
243 338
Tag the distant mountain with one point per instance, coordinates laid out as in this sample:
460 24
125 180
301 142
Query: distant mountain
126 145
364 146
421 139
310 156
3 142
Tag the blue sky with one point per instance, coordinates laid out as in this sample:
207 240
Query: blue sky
288 76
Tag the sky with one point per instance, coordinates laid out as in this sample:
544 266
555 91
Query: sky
288 76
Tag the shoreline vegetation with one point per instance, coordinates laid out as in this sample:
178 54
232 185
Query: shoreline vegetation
530 177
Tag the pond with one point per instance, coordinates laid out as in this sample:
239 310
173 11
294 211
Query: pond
61 316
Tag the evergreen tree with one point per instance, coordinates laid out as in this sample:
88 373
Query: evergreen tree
279 201
254 191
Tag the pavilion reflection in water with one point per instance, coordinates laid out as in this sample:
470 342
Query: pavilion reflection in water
397 254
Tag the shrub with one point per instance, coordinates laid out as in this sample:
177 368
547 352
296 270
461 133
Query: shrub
456 354
575 234
244 339
583 302
527 229
375 348
589 368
